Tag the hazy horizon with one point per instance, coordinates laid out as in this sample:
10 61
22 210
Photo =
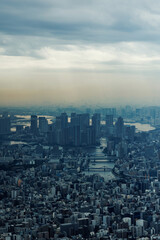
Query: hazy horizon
76 53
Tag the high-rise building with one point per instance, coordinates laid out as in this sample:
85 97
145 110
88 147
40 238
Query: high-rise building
74 119
119 128
64 120
5 124
62 129
51 134
76 132
58 123
77 137
109 120
109 124
96 120
34 124
43 125
79 124
83 121
73 124
91 139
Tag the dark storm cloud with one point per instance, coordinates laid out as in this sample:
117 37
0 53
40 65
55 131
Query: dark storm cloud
27 27
93 21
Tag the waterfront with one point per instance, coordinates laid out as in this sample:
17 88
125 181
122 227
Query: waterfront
14 143
97 152
141 127
25 120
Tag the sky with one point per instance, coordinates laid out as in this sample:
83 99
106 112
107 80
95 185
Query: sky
93 52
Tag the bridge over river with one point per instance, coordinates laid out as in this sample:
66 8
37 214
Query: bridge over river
101 159
99 169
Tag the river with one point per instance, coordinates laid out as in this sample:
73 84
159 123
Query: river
140 127
97 152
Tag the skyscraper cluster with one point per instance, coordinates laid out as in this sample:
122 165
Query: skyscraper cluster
76 131
81 129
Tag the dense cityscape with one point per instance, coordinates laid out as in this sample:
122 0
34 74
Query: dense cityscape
87 174
79 120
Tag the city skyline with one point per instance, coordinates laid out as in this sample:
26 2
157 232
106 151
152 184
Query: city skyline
67 52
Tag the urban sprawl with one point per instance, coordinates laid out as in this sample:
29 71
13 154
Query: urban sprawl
51 186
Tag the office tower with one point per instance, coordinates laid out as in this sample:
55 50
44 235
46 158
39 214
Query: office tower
109 120
83 121
74 119
109 124
91 139
58 123
65 136
119 128
76 136
51 134
34 124
73 123
43 125
64 120
62 129
79 124
96 119
78 131
5 124
75 132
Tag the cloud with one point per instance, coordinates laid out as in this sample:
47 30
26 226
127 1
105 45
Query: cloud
93 21
114 57
40 38
45 23
26 26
